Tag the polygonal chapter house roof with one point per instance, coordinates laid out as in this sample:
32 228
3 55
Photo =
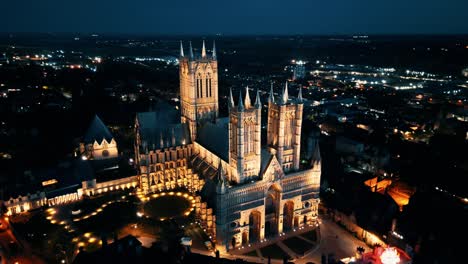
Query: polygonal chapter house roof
97 131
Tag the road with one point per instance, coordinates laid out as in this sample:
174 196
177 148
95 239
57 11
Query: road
333 239
13 250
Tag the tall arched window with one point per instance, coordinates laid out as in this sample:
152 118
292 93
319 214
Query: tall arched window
199 86
208 85
246 137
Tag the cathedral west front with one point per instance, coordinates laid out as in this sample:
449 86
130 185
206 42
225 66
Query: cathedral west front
253 191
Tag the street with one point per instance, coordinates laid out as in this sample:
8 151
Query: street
333 239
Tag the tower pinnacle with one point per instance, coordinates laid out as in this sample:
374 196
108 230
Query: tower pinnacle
181 49
271 97
220 185
284 96
299 95
231 98
214 50
240 106
247 101
258 104
190 50
203 51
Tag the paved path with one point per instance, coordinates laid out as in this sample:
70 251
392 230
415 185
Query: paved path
333 239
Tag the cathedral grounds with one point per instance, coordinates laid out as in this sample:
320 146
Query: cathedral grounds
375 112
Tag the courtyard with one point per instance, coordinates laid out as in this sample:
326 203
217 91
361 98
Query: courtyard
83 225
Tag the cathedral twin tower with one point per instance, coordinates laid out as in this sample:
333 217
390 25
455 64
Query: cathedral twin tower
199 104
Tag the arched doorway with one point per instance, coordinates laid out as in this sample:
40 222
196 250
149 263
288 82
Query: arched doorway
254 226
288 212
245 238
305 220
233 242
296 222
268 230
272 204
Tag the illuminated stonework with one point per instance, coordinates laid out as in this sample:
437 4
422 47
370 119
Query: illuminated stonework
248 191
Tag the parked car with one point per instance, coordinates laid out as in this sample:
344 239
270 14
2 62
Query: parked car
208 245
186 241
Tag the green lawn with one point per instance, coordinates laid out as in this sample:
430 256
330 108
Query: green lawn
113 217
311 235
251 253
89 205
274 251
166 207
44 237
297 245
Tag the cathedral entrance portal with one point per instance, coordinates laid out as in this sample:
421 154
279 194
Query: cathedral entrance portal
288 212
268 231
245 238
296 222
272 205
254 229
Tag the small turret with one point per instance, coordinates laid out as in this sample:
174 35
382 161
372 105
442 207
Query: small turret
316 157
203 51
240 106
231 99
161 141
214 50
284 96
271 97
299 95
247 101
190 50
181 50
220 181
258 104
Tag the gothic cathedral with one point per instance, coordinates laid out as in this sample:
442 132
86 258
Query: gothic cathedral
247 191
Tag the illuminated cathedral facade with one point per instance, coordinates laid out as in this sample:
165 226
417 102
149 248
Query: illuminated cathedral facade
254 191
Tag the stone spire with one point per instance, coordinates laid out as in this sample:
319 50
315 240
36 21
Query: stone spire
284 96
231 99
203 51
214 50
316 157
161 141
299 95
181 49
240 106
191 50
221 183
173 137
271 97
258 104
247 101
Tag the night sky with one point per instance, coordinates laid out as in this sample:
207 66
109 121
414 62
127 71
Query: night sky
236 16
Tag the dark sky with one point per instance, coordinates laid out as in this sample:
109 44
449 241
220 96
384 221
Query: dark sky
235 16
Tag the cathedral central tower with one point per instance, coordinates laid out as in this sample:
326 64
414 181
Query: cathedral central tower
198 87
